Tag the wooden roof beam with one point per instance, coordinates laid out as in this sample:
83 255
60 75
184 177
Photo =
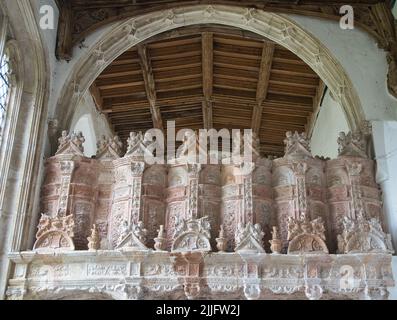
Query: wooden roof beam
263 84
150 86
317 101
208 77
96 96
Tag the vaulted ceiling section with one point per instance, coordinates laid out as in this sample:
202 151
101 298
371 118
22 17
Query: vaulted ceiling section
210 77
213 76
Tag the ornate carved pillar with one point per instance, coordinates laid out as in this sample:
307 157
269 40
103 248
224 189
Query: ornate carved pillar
352 190
193 171
299 184
127 194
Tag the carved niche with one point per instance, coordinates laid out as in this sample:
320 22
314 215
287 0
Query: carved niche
193 235
55 233
306 236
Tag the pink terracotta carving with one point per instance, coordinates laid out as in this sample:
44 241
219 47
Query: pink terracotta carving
54 234
115 192
306 236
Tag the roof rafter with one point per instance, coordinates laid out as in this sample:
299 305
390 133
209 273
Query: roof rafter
150 86
208 78
263 84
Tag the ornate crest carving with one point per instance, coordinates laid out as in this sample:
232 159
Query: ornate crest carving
306 236
193 235
55 233
109 148
71 143
249 238
363 235
132 236
297 146
353 144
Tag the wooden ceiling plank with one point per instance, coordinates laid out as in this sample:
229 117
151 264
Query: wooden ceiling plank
207 43
263 84
150 87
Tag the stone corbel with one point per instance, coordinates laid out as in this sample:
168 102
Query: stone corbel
192 263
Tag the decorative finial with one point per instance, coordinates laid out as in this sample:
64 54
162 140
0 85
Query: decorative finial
94 240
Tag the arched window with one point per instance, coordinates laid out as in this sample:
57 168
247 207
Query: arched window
4 89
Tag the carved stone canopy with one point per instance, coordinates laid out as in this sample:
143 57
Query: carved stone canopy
109 148
353 144
133 236
297 146
363 235
137 146
55 233
71 143
193 235
306 236
249 238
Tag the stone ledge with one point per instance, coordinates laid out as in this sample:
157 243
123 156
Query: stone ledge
195 275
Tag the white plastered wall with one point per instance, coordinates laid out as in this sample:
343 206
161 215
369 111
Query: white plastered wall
330 121
91 123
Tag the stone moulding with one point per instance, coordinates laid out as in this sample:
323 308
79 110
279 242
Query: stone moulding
193 275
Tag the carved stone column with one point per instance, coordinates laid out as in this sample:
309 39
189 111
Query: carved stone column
352 189
193 171
67 168
210 194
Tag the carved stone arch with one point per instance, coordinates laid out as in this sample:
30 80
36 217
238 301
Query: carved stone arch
19 177
275 27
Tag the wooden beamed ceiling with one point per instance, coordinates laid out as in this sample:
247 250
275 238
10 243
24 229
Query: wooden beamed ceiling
209 77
